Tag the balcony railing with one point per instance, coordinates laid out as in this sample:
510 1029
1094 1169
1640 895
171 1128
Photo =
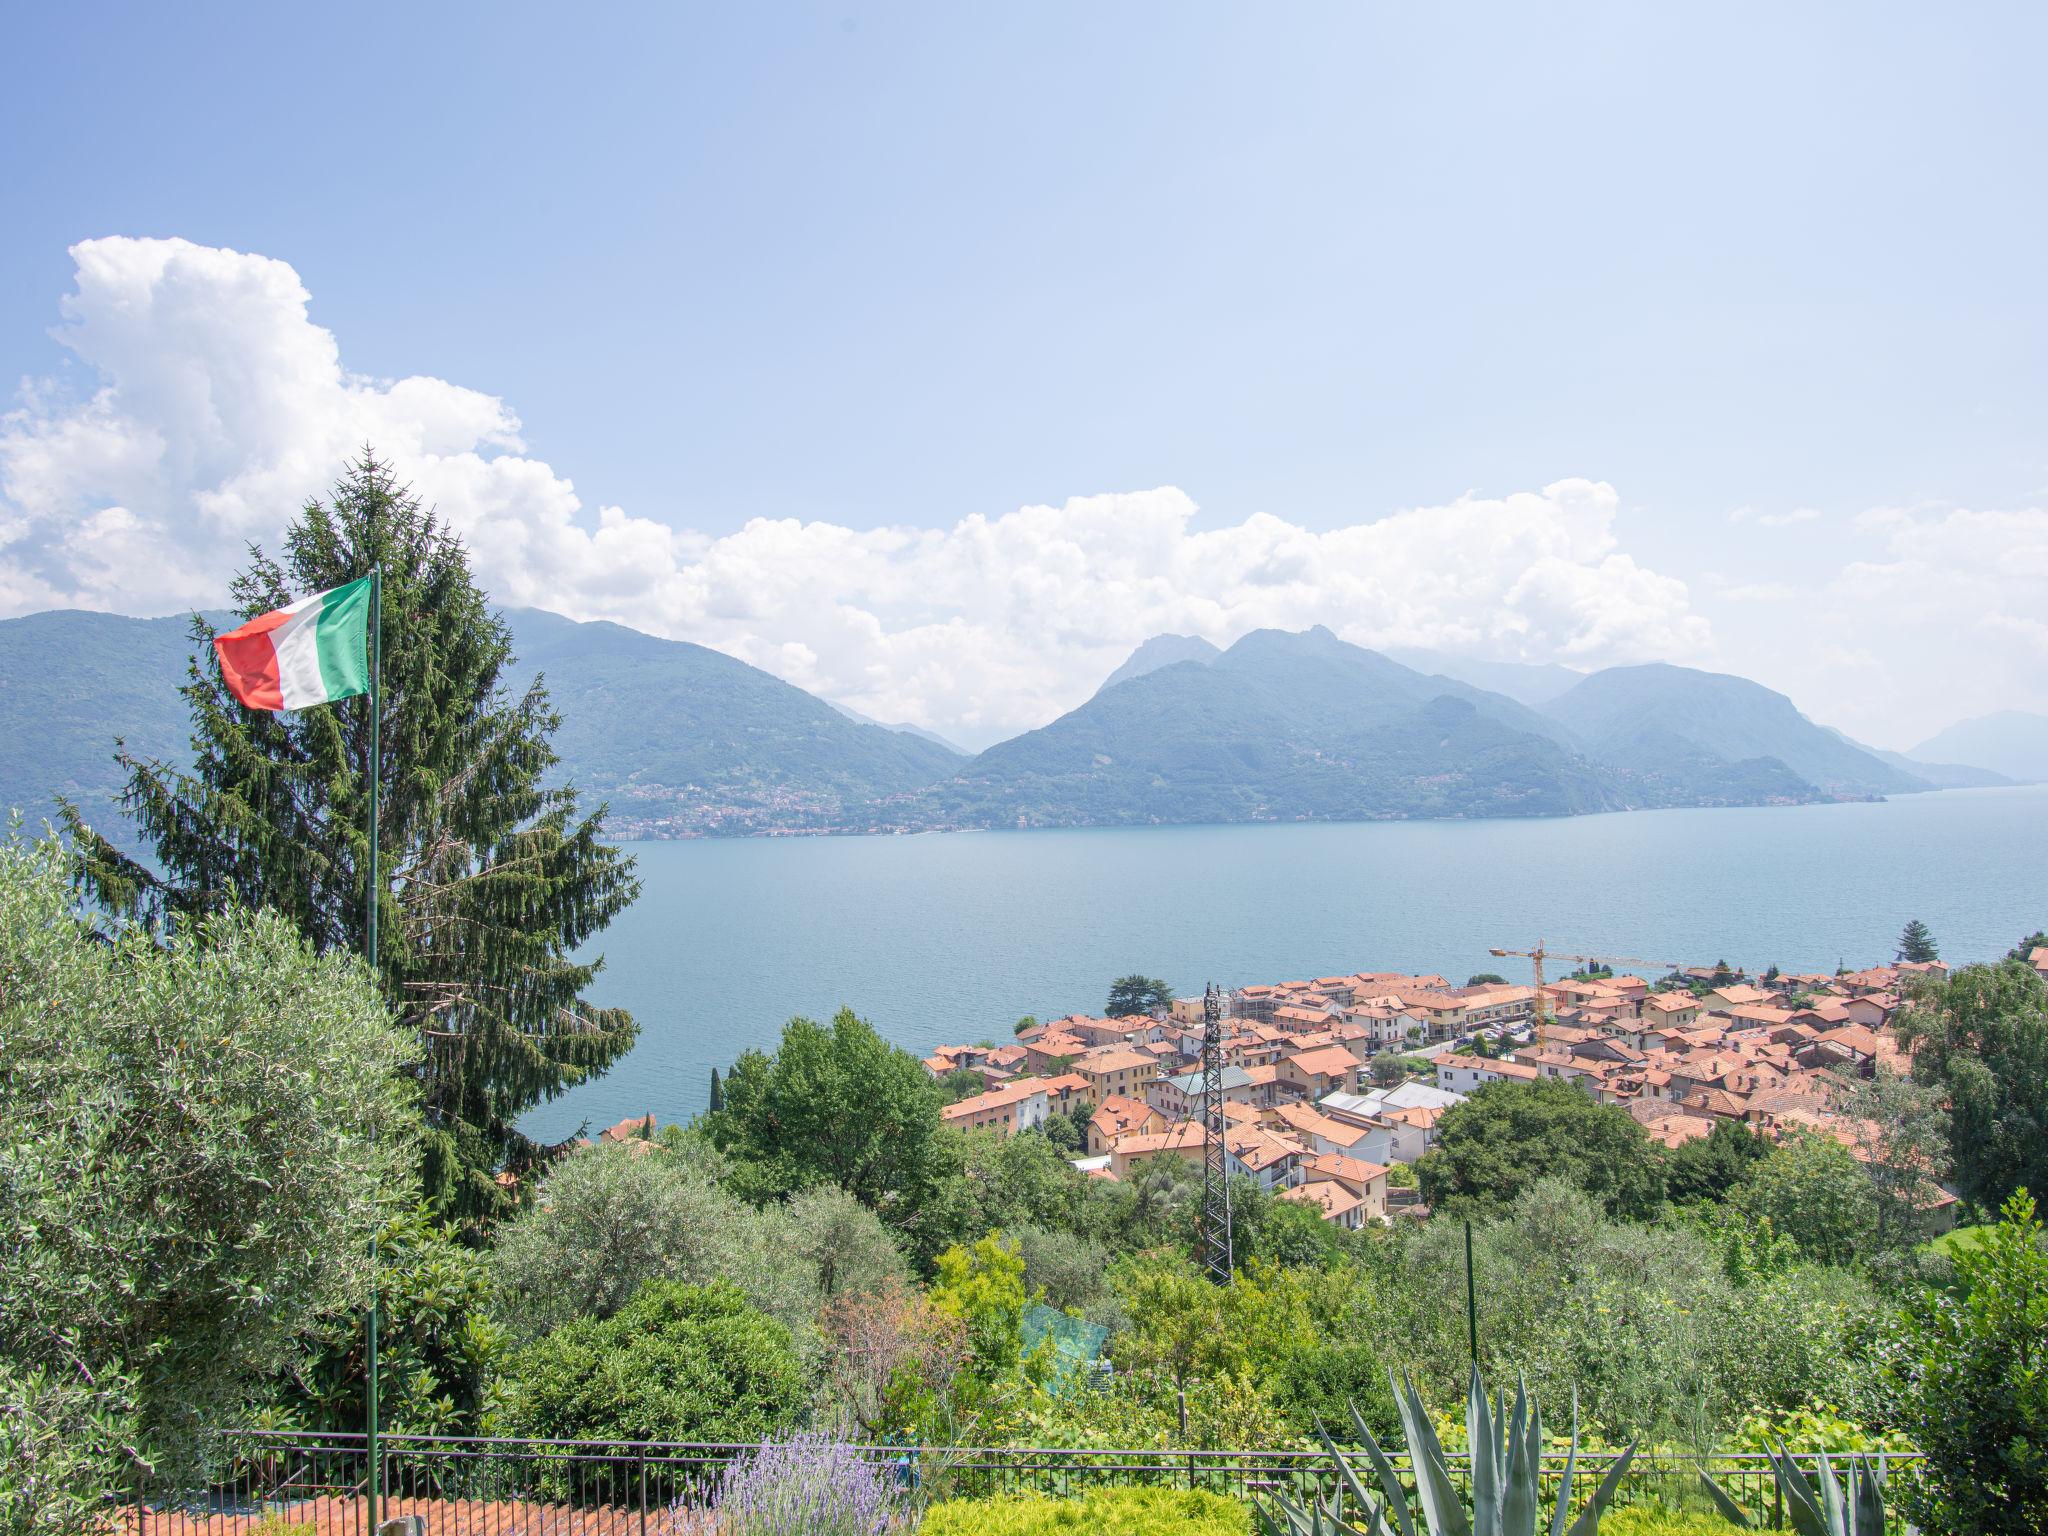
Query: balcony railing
509 1487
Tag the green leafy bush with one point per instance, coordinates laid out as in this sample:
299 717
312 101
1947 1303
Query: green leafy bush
1643 1520
440 1351
1975 1387
1103 1512
65 1445
679 1362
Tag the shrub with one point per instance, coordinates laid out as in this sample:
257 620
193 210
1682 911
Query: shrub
679 1362
807 1485
1643 1520
440 1350
1102 1512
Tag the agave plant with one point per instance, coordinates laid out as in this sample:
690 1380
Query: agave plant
1506 1444
1817 1506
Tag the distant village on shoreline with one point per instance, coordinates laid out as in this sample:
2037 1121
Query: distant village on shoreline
1333 1087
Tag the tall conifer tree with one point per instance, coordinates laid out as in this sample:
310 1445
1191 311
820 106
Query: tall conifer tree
492 880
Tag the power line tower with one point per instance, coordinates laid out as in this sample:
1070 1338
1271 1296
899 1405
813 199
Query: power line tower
1215 1222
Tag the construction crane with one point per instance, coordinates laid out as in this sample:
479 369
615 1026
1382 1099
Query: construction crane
1539 954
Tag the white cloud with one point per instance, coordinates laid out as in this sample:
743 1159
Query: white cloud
219 406
1936 619
1743 515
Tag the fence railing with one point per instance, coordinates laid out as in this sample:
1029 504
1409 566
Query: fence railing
501 1487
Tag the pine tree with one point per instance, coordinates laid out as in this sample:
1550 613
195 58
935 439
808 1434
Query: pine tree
1917 944
717 1092
492 881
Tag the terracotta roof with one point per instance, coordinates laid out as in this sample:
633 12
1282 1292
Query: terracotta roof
996 1098
1330 1061
1354 1173
1326 1196
1176 1138
1113 1058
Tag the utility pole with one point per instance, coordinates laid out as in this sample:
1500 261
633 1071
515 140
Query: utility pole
1215 1219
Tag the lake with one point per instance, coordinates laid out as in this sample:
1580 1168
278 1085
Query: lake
953 936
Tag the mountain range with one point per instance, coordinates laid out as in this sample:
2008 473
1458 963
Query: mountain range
2010 742
682 740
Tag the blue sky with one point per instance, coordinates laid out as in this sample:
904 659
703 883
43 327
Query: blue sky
1770 274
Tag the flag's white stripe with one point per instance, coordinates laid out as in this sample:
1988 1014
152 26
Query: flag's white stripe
296 641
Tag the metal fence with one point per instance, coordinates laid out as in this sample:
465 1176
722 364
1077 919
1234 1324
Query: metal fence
498 1487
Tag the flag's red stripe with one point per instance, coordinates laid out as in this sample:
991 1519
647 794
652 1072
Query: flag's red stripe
248 663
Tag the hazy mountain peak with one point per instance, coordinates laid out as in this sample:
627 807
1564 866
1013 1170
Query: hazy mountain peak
1638 716
2013 742
1161 651
1531 683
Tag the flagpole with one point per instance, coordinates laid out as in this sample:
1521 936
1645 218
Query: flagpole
376 773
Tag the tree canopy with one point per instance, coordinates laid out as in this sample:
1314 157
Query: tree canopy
837 1105
1982 1038
493 881
1508 1135
1916 943
1975 1393
1136 994
197 1136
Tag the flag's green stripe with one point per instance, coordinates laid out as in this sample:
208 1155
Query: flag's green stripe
342 637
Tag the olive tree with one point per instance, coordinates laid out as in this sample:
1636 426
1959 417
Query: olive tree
613 1217
198 1134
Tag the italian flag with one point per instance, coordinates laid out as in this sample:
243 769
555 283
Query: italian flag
314 652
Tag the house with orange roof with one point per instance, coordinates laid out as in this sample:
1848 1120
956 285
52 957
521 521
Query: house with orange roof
1767 1015
1116 1069
1675 1010
1719 1103
1296 1019
1272 1159
1329 1069
1734 994
639 1128
1014 1107
1066 1092
1314 1129
1336 1204
1364 1179
1051 1051
1182 1140
1116 1117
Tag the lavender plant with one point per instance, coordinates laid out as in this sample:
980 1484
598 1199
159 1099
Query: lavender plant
807 1485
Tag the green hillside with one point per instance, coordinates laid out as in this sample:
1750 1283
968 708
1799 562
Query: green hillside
681 738
70 683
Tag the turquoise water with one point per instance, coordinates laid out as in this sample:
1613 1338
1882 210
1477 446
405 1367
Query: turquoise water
953 936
